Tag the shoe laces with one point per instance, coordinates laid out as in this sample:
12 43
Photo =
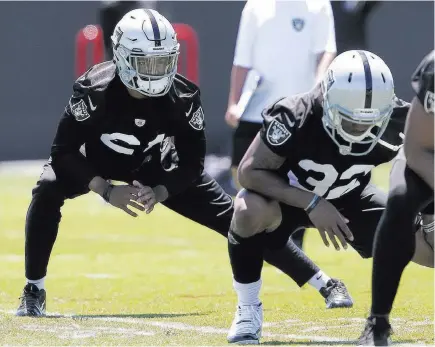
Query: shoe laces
29 298
339 288
247 319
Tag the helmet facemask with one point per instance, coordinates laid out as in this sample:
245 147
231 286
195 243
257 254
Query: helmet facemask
359 126
150 74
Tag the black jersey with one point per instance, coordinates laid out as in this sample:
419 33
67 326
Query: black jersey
422 82
293 129
124 136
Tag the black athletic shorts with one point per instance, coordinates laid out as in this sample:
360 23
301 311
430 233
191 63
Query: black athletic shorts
242 138
363 213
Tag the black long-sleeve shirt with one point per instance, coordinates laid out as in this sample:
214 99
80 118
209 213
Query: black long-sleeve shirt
124 137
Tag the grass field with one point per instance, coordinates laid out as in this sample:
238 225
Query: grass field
163 280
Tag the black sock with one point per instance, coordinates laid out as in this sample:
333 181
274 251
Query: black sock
291 260
246 256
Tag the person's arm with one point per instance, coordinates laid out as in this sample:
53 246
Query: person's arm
257 172
419 130
190 145
324 59
324 39
237 81
72 131
242 62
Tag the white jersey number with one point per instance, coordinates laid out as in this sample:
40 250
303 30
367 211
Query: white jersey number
330 176
109 141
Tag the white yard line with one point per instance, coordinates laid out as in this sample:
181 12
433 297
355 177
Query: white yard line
74 331
77 332
182 327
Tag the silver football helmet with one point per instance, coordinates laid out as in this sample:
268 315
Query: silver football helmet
145 50
358 94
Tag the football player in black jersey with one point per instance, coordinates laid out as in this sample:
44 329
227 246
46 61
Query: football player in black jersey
310 166
412 189
136 121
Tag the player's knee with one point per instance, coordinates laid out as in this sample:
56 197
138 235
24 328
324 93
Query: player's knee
48 192
252 214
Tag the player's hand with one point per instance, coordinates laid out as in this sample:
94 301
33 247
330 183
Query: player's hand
329 221
232 116
145 196
123 196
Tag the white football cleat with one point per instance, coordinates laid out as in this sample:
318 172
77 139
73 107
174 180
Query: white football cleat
247 325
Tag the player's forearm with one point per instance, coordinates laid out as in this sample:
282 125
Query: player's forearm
271 185
323 61
421 161
238 77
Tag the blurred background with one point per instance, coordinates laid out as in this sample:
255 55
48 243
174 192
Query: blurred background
38 60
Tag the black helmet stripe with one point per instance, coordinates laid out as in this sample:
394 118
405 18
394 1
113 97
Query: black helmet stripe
369 80
155 26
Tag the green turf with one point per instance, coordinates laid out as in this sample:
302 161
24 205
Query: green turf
163 280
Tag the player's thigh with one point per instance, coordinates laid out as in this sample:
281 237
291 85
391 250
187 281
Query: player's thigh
254 213
364 215
408 192
204 202
242 139
51 187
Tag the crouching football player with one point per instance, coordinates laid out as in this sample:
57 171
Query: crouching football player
311 167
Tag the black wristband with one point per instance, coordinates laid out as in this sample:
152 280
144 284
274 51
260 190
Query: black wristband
107 191
312 205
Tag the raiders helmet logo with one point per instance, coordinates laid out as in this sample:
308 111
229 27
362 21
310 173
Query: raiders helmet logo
298 24
277 133
197 120
79 111
429 102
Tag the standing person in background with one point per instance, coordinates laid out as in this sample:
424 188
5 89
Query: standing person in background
283 48
110 14
350 18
